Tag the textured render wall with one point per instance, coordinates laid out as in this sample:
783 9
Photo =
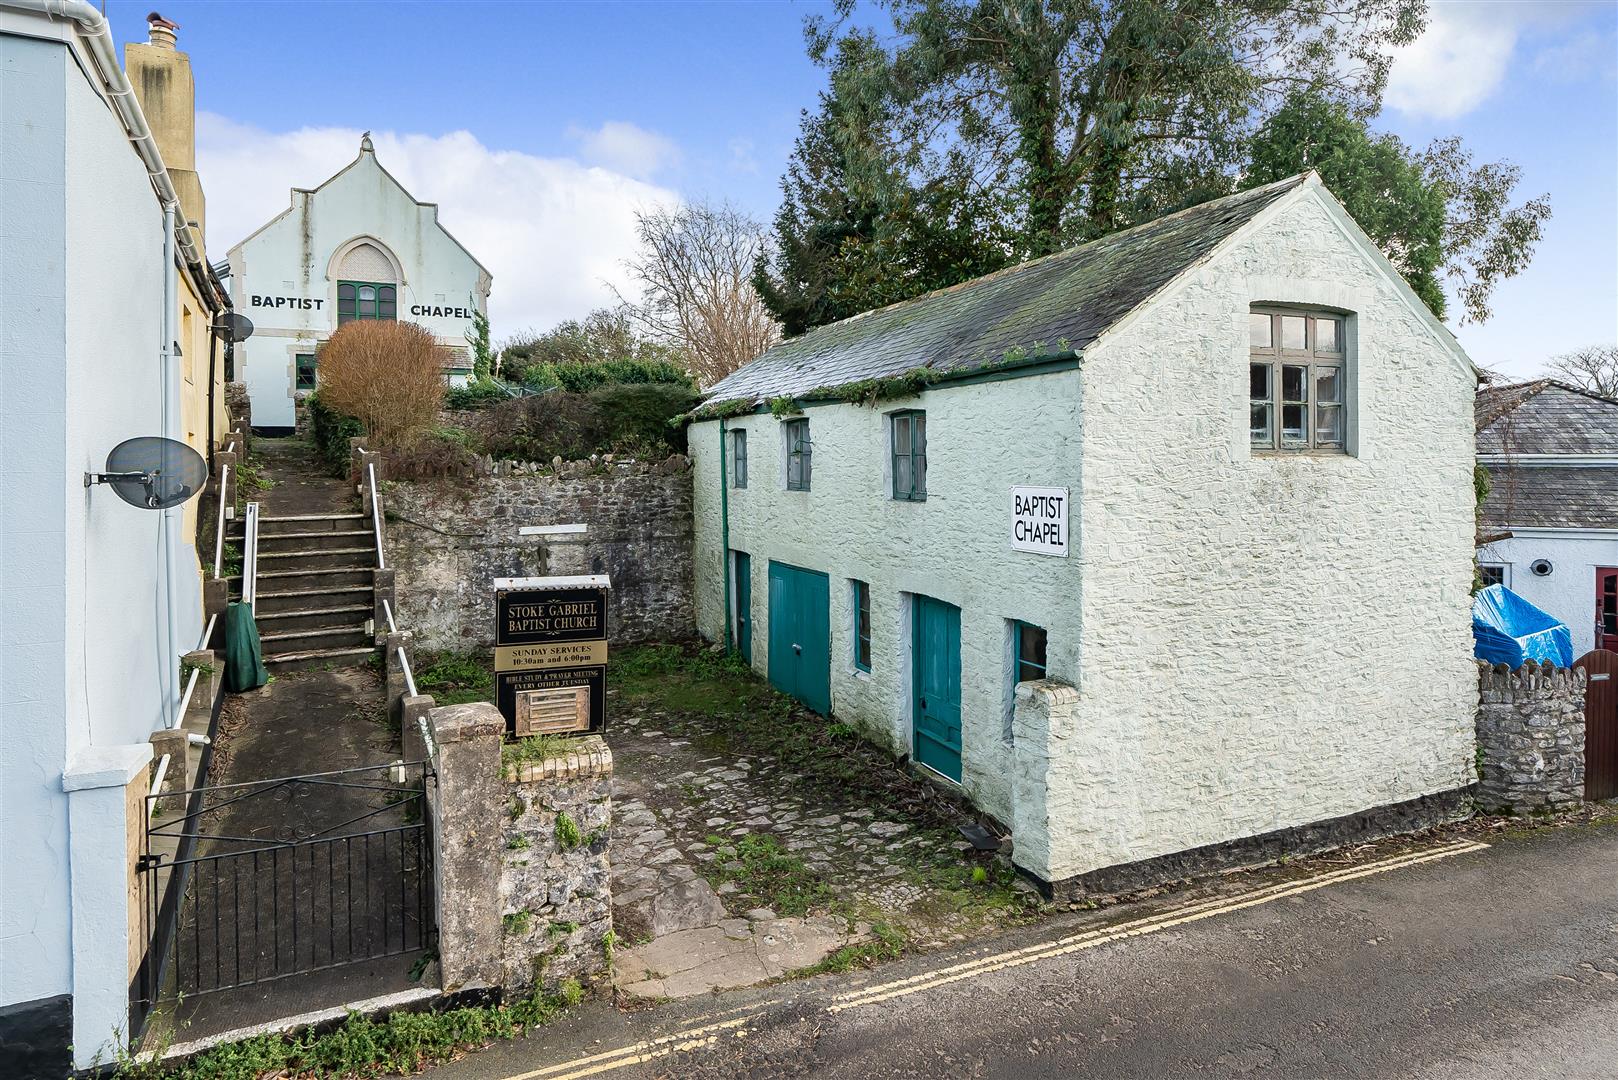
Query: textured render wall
1268 641
955 546
449 539
1568 592
1530 736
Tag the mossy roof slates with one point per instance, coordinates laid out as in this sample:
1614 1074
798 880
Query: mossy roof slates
1063 300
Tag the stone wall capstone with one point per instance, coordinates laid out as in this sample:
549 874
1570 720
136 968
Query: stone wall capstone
1530 736
448 539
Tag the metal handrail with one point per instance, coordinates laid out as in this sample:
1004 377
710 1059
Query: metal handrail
376 515
250 558
219 532
404 660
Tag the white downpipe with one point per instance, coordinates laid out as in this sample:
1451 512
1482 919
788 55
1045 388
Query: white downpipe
171 419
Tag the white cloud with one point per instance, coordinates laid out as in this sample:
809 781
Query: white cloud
620 145
743 156
553 232
1457 62
1583 57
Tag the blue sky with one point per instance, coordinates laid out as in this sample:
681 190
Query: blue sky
541 128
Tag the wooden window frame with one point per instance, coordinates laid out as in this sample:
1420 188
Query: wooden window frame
913 458
738 459
1317 364
1504 573
862 626
800 454
350 308
1018 661
297 370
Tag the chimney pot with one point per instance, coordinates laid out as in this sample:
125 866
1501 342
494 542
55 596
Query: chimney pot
160 32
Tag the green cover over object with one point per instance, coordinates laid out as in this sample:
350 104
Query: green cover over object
244 666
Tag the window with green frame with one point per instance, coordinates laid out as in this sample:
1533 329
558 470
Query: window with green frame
738 459
366 300
799 454
862 625
303 371
1030 652
909 454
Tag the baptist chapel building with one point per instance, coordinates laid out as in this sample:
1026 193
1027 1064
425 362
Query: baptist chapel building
359 246
1158 549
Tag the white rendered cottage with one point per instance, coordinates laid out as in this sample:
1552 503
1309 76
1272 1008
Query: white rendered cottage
1548 529
1164 559
359 246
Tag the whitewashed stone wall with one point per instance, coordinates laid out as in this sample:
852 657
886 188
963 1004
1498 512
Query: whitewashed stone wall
1256 643
1268 641
981 440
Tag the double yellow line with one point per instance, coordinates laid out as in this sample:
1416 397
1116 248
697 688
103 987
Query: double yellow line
734 1025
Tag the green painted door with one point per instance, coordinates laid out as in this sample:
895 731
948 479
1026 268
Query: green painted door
742 567
800 635
937 665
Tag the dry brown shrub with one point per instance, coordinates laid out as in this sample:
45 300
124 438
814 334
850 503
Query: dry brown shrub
385 374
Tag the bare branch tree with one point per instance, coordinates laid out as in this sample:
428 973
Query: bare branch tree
695 270
1594 367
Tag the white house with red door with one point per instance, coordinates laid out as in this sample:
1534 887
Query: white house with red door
1548 530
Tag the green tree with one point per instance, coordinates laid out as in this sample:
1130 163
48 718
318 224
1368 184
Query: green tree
1099 113
1433 214
482 353
604 334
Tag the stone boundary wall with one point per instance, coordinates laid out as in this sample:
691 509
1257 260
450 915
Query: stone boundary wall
524 888
1530 730
448 539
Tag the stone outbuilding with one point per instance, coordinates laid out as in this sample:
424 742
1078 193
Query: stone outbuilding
1158 549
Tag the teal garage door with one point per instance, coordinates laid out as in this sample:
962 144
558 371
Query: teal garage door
800 635
937 734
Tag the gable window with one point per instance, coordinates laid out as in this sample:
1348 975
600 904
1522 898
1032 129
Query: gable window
738 459
365 300
304 371
1030 653
862 625
1296 381
799 454
910 455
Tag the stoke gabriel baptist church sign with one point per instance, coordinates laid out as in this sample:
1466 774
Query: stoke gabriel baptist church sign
1039 520
550 654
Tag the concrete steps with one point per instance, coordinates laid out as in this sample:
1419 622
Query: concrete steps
314 599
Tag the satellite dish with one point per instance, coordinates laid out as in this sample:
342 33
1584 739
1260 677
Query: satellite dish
233 326
152 473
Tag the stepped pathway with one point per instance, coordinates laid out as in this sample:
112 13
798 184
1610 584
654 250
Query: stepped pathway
316 561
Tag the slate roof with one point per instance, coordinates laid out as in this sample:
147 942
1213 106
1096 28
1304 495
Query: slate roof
1054 305
1545 417
1550 498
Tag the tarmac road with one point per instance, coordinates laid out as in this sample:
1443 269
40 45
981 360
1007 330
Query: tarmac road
1459 962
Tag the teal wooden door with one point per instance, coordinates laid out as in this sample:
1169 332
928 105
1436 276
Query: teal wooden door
743 569
937 666
800 635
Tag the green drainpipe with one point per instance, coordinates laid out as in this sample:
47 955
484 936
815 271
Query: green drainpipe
724 527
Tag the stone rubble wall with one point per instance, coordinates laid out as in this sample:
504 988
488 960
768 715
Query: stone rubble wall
1530 729
448 539
555 884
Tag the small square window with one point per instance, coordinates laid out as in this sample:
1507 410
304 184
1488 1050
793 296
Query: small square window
1030 653
738 459
862 626
799 454
1491 574
304 368
1294 333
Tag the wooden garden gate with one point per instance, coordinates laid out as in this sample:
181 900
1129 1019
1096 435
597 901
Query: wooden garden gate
1600 668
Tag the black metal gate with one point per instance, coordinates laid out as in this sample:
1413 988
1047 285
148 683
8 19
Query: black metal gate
252 882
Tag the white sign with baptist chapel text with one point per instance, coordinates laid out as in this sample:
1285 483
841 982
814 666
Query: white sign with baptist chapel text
1039 520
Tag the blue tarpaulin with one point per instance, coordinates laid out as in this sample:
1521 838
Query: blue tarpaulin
1506 629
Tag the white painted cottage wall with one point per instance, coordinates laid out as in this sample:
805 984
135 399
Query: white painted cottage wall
292 256
955 547
1568 591
1268 641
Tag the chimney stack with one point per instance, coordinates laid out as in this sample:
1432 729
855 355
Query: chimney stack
160 32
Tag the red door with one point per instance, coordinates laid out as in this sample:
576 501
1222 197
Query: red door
1607 608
